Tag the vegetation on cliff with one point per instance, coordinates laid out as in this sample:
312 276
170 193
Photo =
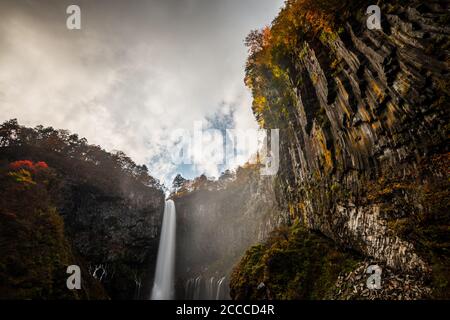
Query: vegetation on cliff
67 202
274 51
293 263
34 248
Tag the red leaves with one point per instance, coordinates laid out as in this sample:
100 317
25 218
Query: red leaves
27 164
23 170
41 165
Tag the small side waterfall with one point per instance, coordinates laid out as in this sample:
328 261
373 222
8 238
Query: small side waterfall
163 287
206 289
219 291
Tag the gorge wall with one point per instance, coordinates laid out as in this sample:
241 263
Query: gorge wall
363 119
363 179
216 222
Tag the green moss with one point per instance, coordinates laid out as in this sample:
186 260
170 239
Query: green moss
293 264
335 187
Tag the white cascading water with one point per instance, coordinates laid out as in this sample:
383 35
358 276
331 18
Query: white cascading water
201 288
163 287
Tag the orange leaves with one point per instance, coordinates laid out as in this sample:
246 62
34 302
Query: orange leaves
21 164
275 51
41 165
319 21
266 36
23 170
29 165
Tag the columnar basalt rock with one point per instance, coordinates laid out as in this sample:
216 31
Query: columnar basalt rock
363 117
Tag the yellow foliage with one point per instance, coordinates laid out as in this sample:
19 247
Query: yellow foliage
377 90
259 103
22 176
277 72
328 161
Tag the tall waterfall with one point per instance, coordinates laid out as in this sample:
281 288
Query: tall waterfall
163 287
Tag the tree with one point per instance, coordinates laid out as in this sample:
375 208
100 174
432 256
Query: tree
178 182
254 41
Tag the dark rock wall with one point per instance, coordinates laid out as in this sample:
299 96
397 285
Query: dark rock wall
117 234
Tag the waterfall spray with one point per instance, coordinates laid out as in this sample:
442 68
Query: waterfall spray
163 287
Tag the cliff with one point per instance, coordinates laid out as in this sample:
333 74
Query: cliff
216 221
363 178
98 210
363 118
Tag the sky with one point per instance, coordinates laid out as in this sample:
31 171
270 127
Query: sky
135 77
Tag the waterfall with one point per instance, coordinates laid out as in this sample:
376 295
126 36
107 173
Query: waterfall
163 287
219 289
197 288
206 288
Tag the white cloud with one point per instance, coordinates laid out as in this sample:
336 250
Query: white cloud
135 72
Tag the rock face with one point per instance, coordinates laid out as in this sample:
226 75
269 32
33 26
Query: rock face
34 249
216 222
118 235
353 285
363 118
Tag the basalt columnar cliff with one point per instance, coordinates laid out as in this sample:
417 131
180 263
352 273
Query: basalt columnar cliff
364 129
363 179
65 202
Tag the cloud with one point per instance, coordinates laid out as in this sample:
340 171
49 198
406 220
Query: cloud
137 71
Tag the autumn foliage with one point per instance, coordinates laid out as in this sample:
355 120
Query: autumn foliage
274 53
29 165
73 157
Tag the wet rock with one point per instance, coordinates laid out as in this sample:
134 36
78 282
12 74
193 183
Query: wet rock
394 285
